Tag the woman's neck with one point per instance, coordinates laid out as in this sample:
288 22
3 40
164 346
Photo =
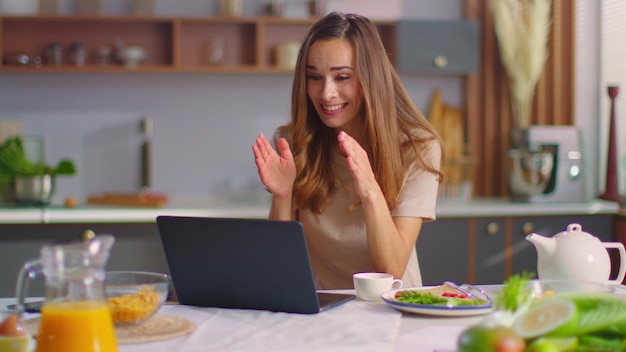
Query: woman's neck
356 131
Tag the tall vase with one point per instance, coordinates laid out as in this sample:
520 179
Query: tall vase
611 191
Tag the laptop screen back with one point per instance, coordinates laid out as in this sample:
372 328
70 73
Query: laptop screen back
239 263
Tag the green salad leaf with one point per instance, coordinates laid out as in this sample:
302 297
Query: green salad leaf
600 313
600 344
427 298
514 293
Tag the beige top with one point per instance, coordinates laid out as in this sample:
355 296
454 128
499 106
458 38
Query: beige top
337 239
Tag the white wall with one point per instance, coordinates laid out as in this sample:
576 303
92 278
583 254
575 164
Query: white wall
613 73
205 124
600 51
586 100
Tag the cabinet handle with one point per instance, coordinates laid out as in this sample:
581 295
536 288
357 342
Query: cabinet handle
528 228
440 61
493 228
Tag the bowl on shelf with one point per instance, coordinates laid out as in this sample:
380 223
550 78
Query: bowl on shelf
135 296
132 55
34 190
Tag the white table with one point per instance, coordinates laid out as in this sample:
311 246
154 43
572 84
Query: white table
355 326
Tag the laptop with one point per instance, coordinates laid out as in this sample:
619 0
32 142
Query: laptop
242 263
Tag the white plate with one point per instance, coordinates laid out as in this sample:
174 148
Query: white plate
456 311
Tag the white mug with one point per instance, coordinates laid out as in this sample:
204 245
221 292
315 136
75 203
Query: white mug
371 286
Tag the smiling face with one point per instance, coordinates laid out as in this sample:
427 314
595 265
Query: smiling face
333 87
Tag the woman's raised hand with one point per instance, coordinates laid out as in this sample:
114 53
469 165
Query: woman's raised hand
277 172
359 163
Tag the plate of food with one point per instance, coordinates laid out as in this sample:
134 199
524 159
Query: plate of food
447 299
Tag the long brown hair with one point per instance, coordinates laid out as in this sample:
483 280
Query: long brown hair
399 134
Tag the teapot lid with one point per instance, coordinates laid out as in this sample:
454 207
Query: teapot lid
574 232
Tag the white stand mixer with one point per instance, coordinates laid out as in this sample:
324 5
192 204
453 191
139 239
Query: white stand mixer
550 168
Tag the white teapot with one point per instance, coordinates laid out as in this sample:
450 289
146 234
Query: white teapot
576 255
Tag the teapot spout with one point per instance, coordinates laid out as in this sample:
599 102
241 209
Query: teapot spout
546 246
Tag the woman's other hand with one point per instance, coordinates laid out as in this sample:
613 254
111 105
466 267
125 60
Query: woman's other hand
277 172
365 183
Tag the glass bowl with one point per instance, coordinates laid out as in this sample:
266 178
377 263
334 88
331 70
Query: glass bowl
135 296
545 288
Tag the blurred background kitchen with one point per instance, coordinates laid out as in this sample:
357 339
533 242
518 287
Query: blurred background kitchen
200 120
203 124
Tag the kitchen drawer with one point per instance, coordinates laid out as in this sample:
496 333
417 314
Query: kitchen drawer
438 47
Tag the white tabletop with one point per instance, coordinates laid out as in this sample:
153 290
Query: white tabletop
354 326
357 326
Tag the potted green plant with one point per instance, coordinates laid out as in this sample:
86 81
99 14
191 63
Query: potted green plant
29 182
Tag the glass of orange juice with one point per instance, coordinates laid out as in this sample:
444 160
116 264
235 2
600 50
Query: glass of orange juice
75 316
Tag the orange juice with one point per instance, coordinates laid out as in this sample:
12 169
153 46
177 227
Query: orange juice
82 326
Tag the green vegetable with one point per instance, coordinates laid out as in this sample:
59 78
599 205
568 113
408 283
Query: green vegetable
12 158
598 322
514 293
552 344
600 313
13 162
593 343
427 298
481 338
65 167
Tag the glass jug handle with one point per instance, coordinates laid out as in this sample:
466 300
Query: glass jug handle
28 272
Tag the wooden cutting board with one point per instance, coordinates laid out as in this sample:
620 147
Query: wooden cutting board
133 199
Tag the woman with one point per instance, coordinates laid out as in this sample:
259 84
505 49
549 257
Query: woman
358 164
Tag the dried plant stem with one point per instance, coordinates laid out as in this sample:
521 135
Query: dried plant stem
522 28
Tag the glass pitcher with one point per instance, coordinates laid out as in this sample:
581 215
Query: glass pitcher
74 316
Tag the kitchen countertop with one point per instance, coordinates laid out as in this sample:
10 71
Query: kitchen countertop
489 207
89 213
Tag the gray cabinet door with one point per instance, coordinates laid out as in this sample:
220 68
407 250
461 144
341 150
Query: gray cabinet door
443 251
437 47
524 252
490 250
137 247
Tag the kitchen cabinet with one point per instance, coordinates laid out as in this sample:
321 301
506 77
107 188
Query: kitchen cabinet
442 251
480 242
438 47
172 44
137 247
487 250
464 250
183 44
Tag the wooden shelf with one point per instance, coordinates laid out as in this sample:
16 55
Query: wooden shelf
173 44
